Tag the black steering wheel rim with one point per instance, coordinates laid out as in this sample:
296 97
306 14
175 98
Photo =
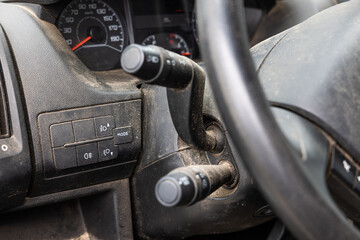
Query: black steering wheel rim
304 209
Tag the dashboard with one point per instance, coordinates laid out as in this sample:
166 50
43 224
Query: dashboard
86 141
98 31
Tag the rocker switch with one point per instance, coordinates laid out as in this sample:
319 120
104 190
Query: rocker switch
107 151
61 134
123 135
87 154
84 130
104 126
64 158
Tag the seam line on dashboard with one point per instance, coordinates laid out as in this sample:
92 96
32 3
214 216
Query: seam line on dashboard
263 61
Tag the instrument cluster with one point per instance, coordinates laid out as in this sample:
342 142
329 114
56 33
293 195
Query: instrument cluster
97 31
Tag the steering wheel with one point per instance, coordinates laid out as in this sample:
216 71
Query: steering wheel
304 206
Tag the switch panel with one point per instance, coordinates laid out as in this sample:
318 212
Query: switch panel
88 138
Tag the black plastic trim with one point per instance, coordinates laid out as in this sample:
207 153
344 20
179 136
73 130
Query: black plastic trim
4 117
15 163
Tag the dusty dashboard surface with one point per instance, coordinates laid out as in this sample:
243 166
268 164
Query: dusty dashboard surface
93 128
97 133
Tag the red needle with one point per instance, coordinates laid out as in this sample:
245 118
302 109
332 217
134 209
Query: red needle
186 54
81 43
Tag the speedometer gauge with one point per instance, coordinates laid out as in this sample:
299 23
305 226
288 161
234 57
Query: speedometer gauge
94 32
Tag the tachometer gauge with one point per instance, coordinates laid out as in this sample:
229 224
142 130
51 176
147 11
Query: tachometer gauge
94 32
170 41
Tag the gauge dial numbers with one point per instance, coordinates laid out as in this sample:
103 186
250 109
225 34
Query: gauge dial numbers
170 41
94 32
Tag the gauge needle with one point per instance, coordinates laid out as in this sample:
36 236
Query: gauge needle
186 54
81 43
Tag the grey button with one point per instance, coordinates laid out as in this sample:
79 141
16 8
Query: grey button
84 129
132 59
87 154
61 134
104 126
64 158
168 192
107 151
123 135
